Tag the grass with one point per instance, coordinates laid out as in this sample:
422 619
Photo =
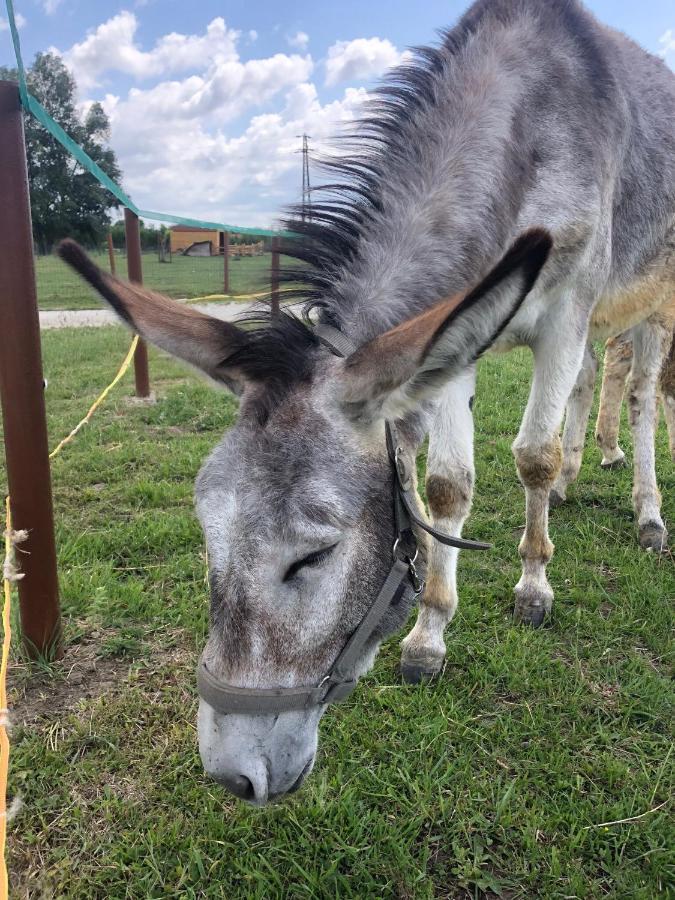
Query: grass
58 287
492 782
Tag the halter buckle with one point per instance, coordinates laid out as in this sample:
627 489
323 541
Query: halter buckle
404 476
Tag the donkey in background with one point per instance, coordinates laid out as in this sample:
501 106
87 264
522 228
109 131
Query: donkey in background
427 251
618 360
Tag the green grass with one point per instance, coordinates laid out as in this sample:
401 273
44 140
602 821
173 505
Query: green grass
491 782
58 287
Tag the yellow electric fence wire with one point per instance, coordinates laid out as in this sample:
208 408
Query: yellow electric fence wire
7 633
4 737
123 368
231 297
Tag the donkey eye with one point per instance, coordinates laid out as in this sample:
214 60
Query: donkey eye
312 559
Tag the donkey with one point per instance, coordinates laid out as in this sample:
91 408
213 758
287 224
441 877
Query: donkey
645 384
513 186
618 360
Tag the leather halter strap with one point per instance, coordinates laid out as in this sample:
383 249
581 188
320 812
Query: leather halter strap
402 578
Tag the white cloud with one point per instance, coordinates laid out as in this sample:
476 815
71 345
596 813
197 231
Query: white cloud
300 40
667 50
360 58
183 166
112 47
50 6
204 133
20 20
253 35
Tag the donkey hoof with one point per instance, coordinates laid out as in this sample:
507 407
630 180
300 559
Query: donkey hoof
417 671
532 606
653 537
619 463
555 498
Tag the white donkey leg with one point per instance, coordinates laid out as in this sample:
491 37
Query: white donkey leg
576 420
651 341
538 453
618 358
450 476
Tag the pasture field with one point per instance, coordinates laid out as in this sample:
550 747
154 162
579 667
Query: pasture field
59 287
494 781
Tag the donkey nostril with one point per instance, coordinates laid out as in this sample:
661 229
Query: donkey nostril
239 785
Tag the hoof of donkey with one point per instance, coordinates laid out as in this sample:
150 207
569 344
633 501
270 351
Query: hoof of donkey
532 606
417 671
653 537
619 463
555 498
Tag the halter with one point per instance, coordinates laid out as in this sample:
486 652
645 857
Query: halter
402 580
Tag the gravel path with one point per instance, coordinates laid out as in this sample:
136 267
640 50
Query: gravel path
80 318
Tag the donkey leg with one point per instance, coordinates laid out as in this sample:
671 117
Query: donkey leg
668 396
576 420
618 358
450 477
651 340
538 453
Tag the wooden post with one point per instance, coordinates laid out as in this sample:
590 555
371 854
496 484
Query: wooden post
275 275
226 262
135 273
111 253
22 392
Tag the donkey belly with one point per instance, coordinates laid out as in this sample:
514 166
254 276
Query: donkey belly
649 293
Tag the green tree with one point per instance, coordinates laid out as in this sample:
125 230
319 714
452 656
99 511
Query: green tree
66 201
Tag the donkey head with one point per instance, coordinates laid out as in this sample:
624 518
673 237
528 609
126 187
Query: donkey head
296 502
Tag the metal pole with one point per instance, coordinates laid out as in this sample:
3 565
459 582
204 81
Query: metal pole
275 275
22 392
226 262
111 253
135 273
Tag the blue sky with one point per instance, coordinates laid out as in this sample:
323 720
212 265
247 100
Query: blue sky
206 98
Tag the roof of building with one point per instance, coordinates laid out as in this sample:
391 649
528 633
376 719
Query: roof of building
191 228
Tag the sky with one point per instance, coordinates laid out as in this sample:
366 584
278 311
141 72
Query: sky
207 100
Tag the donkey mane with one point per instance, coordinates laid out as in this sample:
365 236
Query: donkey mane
345 211
344 207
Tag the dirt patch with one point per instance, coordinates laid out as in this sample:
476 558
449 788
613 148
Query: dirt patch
88 671
610 578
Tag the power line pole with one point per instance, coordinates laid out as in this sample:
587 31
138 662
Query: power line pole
306 188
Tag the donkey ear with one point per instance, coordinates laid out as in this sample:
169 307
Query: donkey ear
184 332
394 372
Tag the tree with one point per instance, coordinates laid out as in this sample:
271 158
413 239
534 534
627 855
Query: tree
66 201
149 234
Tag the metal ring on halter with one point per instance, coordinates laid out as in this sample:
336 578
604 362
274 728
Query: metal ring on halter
404 558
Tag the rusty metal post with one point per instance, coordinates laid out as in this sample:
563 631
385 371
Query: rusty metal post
22 392
135 273
226 262
275 275
111 253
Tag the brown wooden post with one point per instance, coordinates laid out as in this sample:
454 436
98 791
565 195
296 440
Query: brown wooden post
135 273
226 262
111 253
22 391
275 275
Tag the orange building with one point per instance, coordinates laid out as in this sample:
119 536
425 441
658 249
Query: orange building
184 236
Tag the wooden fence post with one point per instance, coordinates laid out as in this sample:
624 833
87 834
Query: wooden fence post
135 273
22 391
111 253
226 262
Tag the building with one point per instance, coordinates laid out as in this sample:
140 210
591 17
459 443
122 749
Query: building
185 236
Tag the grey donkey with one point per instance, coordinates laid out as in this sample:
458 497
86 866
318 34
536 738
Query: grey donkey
513 186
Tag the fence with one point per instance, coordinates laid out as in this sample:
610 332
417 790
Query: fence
235 266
